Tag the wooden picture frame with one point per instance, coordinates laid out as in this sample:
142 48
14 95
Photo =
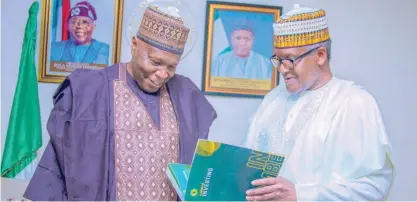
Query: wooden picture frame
238 45
64 46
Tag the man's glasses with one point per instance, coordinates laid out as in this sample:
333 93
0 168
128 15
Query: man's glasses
83 23
289 62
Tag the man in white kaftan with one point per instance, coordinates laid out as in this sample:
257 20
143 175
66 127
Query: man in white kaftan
330 130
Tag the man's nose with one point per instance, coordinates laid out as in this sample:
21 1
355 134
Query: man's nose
283 69
162 74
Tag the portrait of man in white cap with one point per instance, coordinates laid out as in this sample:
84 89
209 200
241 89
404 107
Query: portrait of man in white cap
330 130
81 47
242 61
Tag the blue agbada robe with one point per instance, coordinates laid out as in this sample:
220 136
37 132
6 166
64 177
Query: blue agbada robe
78 163
67 51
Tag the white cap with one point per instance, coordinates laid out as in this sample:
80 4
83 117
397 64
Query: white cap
301 26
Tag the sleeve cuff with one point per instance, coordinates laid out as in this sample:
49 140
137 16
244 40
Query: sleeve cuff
306 192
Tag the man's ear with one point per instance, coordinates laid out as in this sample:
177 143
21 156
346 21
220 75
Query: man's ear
322 56
134 45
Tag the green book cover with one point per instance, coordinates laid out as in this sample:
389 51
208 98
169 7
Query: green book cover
224 172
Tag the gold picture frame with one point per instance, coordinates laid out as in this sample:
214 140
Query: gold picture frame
53 70
237 63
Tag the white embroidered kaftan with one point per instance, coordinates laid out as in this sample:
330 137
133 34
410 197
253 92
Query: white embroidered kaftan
334 140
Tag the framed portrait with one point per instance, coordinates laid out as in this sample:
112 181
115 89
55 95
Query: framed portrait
238 46
78 34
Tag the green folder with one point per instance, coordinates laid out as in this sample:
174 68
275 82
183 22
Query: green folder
224 172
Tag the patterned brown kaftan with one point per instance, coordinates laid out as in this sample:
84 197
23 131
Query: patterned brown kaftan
143 151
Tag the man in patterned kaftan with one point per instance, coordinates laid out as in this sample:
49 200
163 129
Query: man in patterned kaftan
113 131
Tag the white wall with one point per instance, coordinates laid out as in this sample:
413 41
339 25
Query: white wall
375 47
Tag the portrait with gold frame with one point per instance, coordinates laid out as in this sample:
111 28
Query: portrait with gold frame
69 43
238 44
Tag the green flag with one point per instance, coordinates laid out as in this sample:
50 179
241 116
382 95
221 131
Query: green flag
24 135
222 42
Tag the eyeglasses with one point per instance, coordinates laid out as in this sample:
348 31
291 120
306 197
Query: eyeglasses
289 62
83 23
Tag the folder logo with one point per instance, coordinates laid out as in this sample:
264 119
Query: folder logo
194 192
207 148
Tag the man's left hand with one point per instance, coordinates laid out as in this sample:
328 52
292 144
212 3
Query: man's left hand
272 189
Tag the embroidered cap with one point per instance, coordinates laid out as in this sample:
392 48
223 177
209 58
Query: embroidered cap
85 9
300 27
163 31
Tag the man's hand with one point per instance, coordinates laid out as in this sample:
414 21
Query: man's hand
276 189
